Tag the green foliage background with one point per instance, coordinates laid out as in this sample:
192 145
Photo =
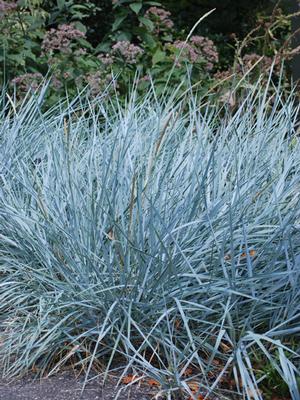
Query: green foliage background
107 22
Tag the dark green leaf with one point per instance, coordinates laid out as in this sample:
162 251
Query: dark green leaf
79 25
146 22
84 43
147 38
124 36
136 7
118 21
61 4
158 56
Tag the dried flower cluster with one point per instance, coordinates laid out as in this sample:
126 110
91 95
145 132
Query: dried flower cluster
27 81
222 75
198 49
253 61
6 7
127 50
249 60
60 38
265 62
160 17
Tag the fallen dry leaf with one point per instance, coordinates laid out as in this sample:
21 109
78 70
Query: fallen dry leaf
193 385
188 372
225 347
195 388
111 235
252 253
152 382
34 369
129 379
134 378
279 398
177 323
253 394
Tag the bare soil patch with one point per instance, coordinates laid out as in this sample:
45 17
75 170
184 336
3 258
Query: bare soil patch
65 386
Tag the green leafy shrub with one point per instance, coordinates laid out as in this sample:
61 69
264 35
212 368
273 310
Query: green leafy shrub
139 38
142 39
153 234
21 34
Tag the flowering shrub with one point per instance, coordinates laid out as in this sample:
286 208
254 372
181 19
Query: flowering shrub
68 54
51 37
153 241
142 38
20 34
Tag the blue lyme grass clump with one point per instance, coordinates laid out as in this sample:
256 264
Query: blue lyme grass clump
156 235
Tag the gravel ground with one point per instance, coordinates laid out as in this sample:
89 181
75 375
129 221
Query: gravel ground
66 387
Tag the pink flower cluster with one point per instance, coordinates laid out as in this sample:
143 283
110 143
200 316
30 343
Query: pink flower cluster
60 38
207 49
80 52
56 83
105 59
186 51
96 81
127 50
32 81
6 7
27 81
198 49
161 18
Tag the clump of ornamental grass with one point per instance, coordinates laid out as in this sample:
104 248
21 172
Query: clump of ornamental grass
156 236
